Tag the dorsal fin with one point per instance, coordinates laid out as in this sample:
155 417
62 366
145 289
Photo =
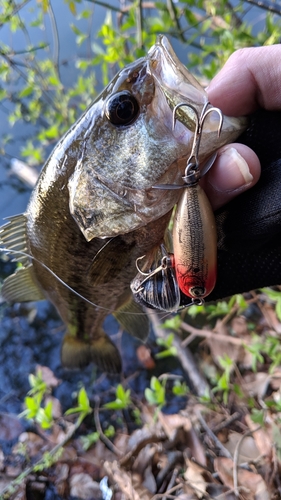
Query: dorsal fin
21 286
13 237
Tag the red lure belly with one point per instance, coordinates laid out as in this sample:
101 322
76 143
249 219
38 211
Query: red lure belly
195 243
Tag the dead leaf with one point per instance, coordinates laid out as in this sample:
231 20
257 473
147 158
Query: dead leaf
2 459
193 475
247 450
83 487
262 437
35 445
256 384
220 348
144 356
61 481
129 484
239 326
179 429
253 485
47 376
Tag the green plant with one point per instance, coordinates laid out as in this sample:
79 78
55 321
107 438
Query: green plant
156 394
180 388
31 81
83 408
223 382
122 401
261 347
167 343
90 439
275 296
34 401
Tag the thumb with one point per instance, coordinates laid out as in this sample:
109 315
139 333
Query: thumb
236 169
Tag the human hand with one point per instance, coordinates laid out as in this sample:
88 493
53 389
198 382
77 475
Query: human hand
249 80
249 226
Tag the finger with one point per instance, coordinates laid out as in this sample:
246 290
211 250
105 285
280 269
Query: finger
250 79
236 169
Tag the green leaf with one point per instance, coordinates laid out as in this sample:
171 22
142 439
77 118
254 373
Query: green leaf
172 351
83 400
278 309
258 416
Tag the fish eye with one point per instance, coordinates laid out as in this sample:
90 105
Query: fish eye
122 108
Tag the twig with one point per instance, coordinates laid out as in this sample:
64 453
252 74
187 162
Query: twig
173 14
196 332
266 6
56 39
102 436
139 24
186 358
171 482
227 422
14 485
210 433
151 439
168 493
236 457
15 11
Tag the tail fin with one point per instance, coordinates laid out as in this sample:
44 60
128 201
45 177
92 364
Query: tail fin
78 353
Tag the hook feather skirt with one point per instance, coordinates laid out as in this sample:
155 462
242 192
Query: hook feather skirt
195 243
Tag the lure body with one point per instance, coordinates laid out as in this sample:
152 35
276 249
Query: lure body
157 288
195 243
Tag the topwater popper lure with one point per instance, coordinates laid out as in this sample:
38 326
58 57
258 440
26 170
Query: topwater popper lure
193 264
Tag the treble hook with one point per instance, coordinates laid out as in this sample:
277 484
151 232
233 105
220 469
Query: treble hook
193 161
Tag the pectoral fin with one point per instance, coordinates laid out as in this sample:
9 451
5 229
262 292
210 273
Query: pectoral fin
132 318
77 353
110 261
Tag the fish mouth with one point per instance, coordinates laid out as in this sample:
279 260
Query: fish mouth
178 86
176 83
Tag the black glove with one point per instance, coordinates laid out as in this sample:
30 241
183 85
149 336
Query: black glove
249 227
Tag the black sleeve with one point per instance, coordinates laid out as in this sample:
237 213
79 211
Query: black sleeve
249 227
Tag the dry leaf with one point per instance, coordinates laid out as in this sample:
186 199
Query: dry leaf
262 438
129 484
219 348
145 358
2 459
47 376
83 487
247 450
256 384
253 485
178 428
239 326
35 445
193 476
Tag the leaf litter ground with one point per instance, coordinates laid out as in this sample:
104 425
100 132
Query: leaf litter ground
219 440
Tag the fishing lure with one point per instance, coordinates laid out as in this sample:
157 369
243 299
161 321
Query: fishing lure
194 262
159 288
194 230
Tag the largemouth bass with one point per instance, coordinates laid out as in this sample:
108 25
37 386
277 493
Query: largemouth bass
94 211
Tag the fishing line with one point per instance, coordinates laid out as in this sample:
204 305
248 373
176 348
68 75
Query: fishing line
6 250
